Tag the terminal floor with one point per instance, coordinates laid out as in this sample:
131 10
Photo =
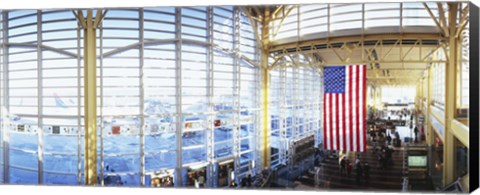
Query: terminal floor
389 179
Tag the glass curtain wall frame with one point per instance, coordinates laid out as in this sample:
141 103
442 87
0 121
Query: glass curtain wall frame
32 96
464 81
194 59
249 122
127 78
295 108
2 98
438 80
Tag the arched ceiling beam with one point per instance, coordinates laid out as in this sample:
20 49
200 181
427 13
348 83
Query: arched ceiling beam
184 41
60 51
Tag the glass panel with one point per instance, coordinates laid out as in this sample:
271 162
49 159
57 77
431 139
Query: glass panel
160 160
24 159
398 94
59 179
60 163
124 179
20 176
122 164
382 22
223 149
194 155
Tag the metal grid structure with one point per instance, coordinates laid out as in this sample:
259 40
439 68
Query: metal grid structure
2 117
465 67
296 109
438 78
44 50
153 62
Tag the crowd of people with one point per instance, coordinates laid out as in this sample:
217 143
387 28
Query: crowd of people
383 136
362 169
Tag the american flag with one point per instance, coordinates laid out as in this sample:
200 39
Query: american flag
345 110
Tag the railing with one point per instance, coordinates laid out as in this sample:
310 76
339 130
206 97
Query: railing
405 186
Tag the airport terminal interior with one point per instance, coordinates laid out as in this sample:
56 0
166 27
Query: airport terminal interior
234 96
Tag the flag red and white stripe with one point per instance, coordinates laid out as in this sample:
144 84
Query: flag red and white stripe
345 112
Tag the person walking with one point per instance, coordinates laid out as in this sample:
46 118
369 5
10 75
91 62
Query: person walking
349 168
366 168
389 139
359 172
342 166
381 160
373 135
249 180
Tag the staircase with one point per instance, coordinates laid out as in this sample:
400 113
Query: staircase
389 179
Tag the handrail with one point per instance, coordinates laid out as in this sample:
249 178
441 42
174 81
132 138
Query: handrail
405 186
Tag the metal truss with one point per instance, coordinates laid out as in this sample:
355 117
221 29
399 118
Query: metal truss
178 98
89 26
39 45
282 118
278 17
441 22
399 53
236 96
367 49
210 93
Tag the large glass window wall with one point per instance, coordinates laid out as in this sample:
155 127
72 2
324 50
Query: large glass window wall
304 22
164 74
295 108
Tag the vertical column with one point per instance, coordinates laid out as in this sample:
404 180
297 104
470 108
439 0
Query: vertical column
236 94
293 95
211 116
142 98
90 99
282 153
265 38
266 117
178 96
102 162
374 98
6 124
79 123
258 104
429 136
39 97
321 108
450 93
